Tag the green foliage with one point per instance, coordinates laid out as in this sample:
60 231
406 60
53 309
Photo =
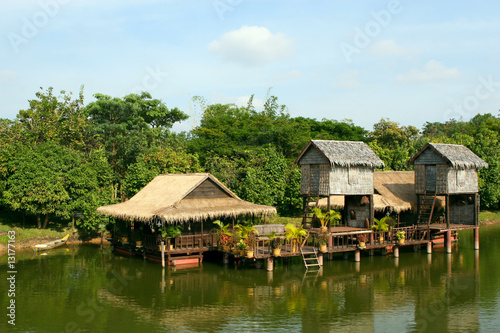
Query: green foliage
325 217
129 127
171 231
294 233
380 225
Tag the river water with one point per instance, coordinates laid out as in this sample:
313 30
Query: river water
80 289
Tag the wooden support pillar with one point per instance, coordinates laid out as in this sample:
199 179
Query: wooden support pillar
447 239
270 264
476 238
357 255
429 247
447 211
395 250
320 259
162 254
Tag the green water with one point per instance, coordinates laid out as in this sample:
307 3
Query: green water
78 289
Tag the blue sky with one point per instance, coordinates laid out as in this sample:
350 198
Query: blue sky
409 61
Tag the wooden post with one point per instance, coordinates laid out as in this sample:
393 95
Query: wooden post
357 255
429 247
476 238
320 259
163 280
162 254
270 264
395 250
448 211
447 239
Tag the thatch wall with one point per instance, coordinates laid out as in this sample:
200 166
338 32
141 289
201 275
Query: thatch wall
184 197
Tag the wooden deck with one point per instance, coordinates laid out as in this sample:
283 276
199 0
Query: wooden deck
441 227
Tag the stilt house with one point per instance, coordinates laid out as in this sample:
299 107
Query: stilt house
451 171
190 201
343 168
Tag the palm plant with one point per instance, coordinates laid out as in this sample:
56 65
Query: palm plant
331 216
295 234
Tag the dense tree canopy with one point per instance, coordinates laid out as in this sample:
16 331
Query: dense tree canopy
60 159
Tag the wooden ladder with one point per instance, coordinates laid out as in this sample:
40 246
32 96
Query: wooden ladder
308 213
427 205
310 257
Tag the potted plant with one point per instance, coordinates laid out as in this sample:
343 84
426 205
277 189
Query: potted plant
331 216
295 235
400 235
381 226
362 241
241 247
276 243
323 240
224 236
171 231
137 237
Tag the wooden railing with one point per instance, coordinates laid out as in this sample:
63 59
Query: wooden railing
183 242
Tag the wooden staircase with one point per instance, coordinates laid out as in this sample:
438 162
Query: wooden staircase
309 256
427 204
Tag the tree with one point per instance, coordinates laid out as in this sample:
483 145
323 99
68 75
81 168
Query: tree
59 119
129 127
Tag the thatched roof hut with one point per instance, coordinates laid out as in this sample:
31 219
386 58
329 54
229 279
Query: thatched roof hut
344 153
394 191
179 198
337 167
459 156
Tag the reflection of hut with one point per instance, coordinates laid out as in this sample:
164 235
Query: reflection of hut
343 168
192 201
451 171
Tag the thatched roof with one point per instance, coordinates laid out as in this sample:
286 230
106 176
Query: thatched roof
394 190
345 153
458 156
178 198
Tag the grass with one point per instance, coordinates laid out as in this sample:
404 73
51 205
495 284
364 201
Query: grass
30 233
489 216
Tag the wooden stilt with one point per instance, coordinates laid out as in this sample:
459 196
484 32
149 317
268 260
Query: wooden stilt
429 247
476 238
270 264
320 259
162 254
395 250
357 255
448 241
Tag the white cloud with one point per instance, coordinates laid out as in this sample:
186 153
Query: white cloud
252 46
388 48
349 80
434 70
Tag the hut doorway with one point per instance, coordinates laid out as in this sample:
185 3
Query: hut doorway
430 178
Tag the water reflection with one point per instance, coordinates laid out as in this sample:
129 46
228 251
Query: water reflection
81 289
